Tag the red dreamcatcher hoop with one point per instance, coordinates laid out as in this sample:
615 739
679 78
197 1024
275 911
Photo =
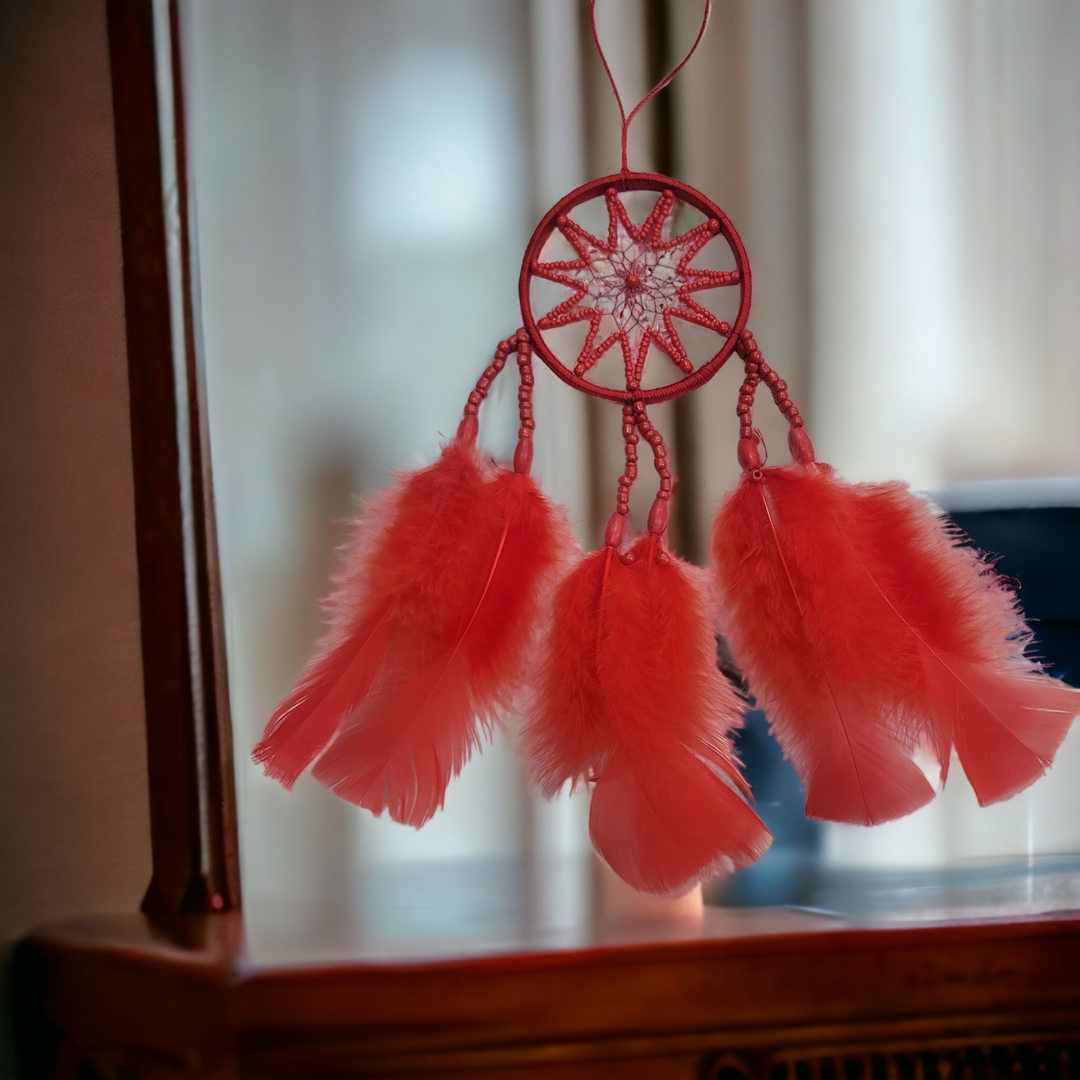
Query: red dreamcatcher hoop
633 284
866 629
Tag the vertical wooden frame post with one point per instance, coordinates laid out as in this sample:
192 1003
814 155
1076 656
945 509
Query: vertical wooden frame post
189 744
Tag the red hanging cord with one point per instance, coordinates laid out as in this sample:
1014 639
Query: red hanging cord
628 120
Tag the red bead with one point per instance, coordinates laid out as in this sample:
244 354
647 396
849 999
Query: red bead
665 483
523 456
613 534
658 517
468 429
749 458
802 450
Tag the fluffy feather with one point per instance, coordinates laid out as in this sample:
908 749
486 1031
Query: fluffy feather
432 624
630 696
978 690
402 544
865 629
818 644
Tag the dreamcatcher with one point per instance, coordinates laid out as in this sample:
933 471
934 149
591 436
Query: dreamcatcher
866 629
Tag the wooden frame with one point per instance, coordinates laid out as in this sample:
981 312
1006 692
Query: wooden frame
116 997
173 992
189 744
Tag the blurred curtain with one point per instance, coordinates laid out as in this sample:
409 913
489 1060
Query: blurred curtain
945 166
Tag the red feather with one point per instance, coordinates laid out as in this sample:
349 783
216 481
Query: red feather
865 630
817 643
433 621
630 696
336 681
978 690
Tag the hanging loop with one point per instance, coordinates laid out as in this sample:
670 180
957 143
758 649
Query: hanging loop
628 120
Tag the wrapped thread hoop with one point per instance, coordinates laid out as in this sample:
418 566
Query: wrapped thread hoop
669 190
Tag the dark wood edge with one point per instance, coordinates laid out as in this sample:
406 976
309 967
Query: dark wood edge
842 991
189 749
